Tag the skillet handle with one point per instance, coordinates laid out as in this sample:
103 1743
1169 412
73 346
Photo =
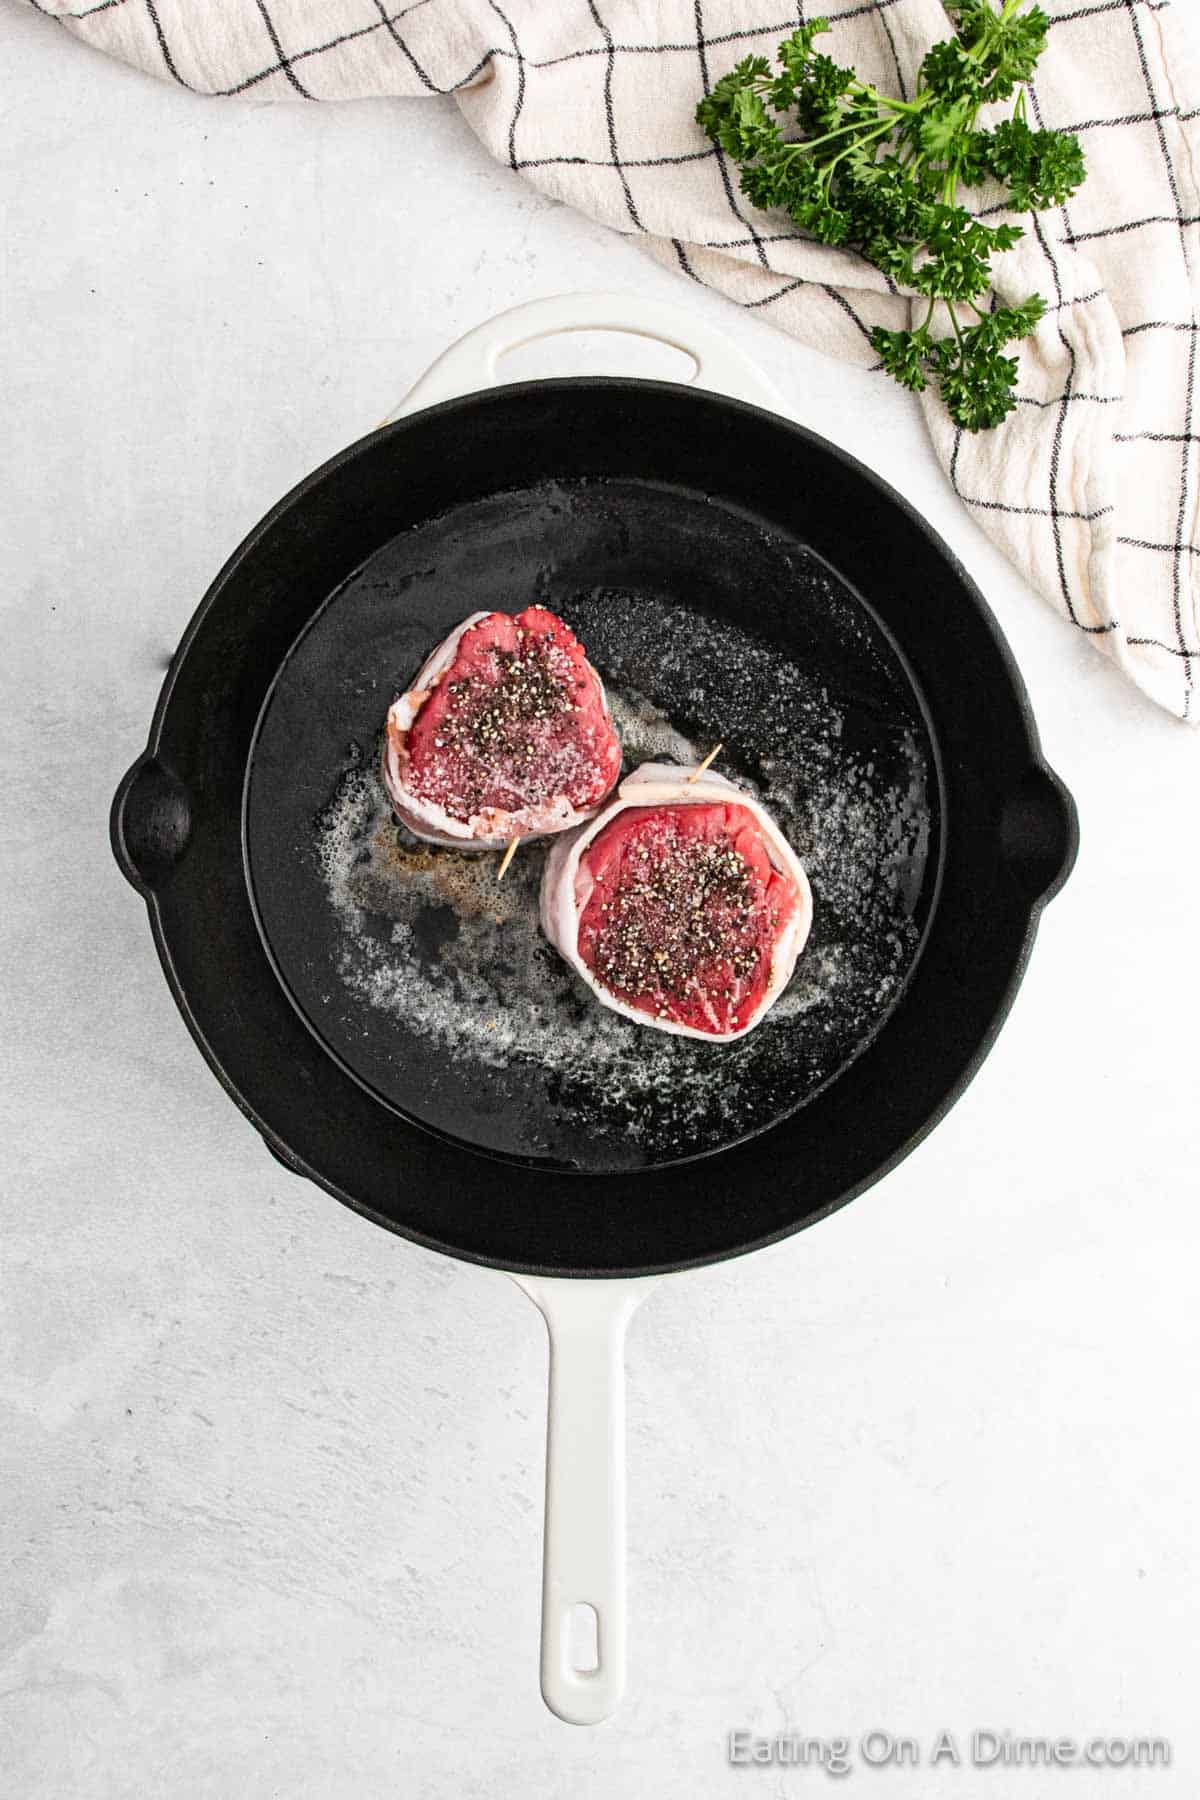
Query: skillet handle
583 1553
471 363
1039 833
150 823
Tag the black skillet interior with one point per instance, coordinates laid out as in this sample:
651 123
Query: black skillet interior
433 984
733 577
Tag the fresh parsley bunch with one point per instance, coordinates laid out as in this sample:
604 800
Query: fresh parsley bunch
882 176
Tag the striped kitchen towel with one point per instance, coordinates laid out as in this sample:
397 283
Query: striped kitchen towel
1090 486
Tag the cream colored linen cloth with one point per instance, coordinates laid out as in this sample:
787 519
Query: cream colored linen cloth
1090 486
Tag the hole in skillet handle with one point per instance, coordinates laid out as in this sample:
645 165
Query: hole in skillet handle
1039 834
583 1639
150 824
611 353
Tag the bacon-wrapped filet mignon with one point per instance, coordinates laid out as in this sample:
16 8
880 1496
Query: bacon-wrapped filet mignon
505 732
681 905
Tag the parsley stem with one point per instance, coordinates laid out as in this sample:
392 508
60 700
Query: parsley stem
855 125
868 137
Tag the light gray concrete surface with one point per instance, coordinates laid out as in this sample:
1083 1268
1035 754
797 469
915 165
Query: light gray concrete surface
271 1478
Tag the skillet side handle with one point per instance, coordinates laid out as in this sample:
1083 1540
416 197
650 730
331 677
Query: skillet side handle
583 1555
1039 833
150 824
472 363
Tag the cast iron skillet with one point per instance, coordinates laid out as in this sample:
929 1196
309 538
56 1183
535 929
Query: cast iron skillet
651 514
1006 826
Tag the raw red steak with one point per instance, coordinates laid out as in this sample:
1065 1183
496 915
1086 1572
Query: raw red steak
682 905
504 733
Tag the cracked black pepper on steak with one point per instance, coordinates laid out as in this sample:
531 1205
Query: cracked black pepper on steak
684 910
505 733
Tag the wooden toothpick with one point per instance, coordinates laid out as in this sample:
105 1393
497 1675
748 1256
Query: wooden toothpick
711 757
502 871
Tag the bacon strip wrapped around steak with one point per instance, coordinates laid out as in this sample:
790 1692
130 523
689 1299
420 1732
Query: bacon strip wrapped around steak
681 904
504 733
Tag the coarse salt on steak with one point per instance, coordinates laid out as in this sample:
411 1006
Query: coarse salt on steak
681 905
504 733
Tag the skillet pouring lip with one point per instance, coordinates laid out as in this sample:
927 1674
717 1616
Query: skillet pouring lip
176 829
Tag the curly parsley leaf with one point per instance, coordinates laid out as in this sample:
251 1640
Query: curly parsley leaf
881 175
